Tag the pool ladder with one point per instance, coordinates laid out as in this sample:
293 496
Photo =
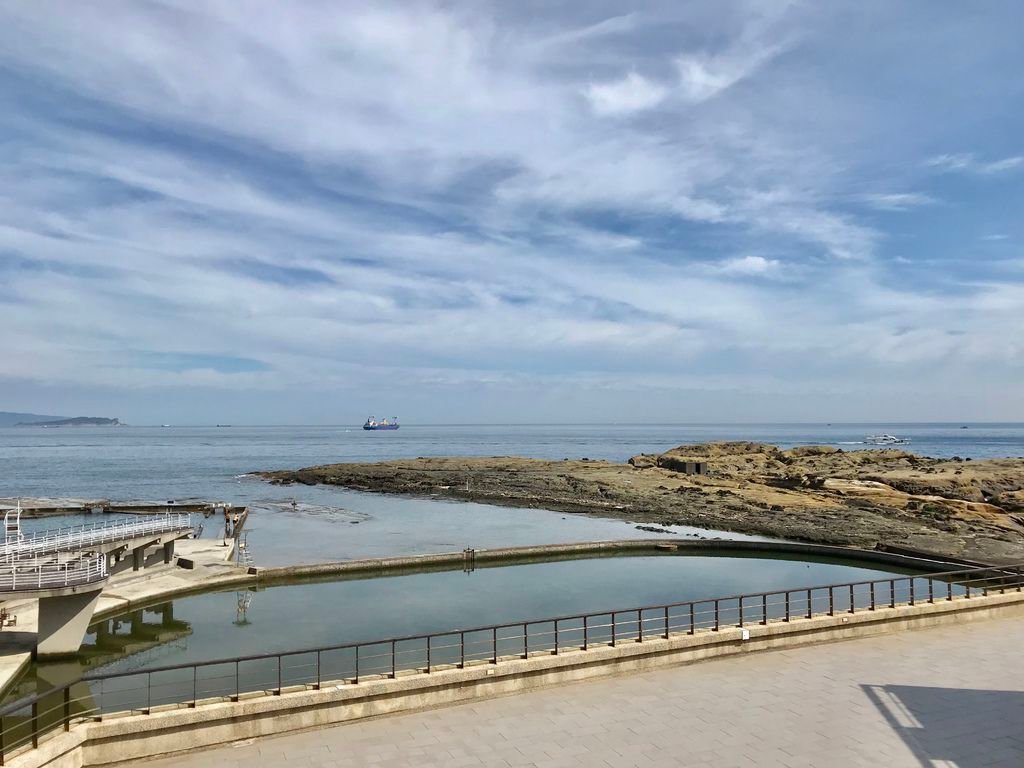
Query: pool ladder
244 553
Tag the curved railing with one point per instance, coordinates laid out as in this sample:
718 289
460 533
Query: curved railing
24 721
33 574
84 537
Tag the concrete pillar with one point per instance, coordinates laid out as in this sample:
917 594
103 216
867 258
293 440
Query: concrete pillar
138 558
63 620
166 614
169 551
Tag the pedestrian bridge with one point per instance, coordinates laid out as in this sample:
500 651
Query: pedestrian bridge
105 537
66 570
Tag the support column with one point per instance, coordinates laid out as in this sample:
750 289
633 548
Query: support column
138 558
169 551
63 621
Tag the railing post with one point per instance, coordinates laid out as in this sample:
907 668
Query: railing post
613 630
666 623
912 591
67 708
586 635
872 595
149 692
462 649
394 662
716 616
810 609
526 644
764 608
556 637
278 692
853 604
892 593
494 643
787 606
741 611
967 586
317 687
831 601
949 590
428 654
195 687
357 665
640 624
693 622
35 723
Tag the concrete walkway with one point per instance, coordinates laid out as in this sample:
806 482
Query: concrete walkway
941 697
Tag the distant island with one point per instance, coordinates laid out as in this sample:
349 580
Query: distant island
77 421
12 418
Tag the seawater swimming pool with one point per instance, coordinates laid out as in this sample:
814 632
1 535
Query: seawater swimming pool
312 614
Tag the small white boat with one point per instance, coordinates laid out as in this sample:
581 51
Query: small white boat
886 440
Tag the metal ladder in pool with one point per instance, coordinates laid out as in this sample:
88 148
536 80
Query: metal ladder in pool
245 557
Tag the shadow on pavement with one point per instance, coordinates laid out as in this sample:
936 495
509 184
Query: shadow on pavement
955 727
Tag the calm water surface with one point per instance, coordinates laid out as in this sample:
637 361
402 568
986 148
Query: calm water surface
156 464
329 613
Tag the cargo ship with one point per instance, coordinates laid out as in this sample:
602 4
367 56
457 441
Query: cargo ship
372 423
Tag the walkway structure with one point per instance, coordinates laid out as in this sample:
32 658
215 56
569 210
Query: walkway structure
951 696
66 569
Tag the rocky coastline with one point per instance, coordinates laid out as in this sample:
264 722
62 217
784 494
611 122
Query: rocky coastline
893 499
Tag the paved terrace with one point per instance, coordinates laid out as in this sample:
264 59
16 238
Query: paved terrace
949 697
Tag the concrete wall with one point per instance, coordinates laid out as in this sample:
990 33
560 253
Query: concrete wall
124 740
483 558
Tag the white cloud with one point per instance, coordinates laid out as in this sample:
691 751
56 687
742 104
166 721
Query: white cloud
633 93
1006 164
968 162
750 265
704 76
896 201
950 162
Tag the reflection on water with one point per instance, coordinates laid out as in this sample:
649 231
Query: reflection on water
147 636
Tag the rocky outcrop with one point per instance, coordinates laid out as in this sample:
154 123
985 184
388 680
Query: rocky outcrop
968 509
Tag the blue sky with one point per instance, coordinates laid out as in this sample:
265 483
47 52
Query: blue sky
307 212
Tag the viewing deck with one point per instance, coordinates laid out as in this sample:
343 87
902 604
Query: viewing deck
31 576
95 536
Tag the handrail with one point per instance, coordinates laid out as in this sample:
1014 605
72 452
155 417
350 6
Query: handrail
85 536
611 627
28 575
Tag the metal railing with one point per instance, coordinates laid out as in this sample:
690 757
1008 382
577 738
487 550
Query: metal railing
36 574
84 537
93 696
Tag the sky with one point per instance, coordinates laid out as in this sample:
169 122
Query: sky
308 212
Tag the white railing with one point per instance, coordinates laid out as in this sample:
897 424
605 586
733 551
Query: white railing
36 574
84 537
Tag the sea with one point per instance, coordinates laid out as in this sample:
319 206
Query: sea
299 524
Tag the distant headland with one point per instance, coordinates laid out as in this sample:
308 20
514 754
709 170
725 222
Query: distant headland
8 419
